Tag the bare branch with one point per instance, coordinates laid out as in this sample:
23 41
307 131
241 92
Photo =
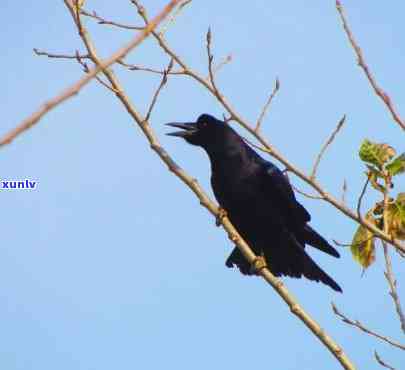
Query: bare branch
381 362
360 59
102 20
400 253
363 191
222 63
392 282
346 245
360 326
340 244
325 146
134 67
173 17
87 70
389 274
78 58
307 195
75 88
344 191
211 73
60 56
267 105
159 89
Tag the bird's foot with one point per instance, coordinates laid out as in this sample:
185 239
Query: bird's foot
258 264
220 215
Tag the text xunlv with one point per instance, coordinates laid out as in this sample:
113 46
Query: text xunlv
18 184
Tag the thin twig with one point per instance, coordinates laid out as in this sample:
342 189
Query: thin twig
59 56
78 57
400 253
351 244
87 70
359 201
211 73
267 105
362 63
381 362
173 17
102 20
134 67
392 282
325 146
344 191
158 90
75 88
389 274
340 244
357 324
307 195
222 63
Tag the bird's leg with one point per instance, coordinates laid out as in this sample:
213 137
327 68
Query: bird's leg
220 215
258 264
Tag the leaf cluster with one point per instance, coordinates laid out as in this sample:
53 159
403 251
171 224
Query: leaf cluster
383 165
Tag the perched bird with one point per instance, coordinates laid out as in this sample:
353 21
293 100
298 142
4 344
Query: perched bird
259 201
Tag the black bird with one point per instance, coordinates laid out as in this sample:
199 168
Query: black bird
259 201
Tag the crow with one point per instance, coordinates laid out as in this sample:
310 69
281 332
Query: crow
259 201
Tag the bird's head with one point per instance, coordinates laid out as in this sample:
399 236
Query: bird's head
206 132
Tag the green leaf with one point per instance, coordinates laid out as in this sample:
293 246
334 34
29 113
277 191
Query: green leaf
397 166
376 154
363 247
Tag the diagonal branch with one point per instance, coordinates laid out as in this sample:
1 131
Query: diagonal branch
389 274
211 73
101 20
267 105
392 283
325 146
159 89
357 324
360 200
381 362
60 56
344 191
362 63
173 17
75 88
134 67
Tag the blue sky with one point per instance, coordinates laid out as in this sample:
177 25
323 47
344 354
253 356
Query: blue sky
111 262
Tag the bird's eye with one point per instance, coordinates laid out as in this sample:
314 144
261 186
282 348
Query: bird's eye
203 124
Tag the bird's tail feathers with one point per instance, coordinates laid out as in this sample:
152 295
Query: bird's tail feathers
311 237
313 272
289 260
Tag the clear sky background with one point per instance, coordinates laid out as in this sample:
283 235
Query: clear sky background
111 263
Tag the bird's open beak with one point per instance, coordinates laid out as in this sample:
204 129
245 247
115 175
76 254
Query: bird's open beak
188 128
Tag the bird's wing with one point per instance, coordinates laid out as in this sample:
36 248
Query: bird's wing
278 188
